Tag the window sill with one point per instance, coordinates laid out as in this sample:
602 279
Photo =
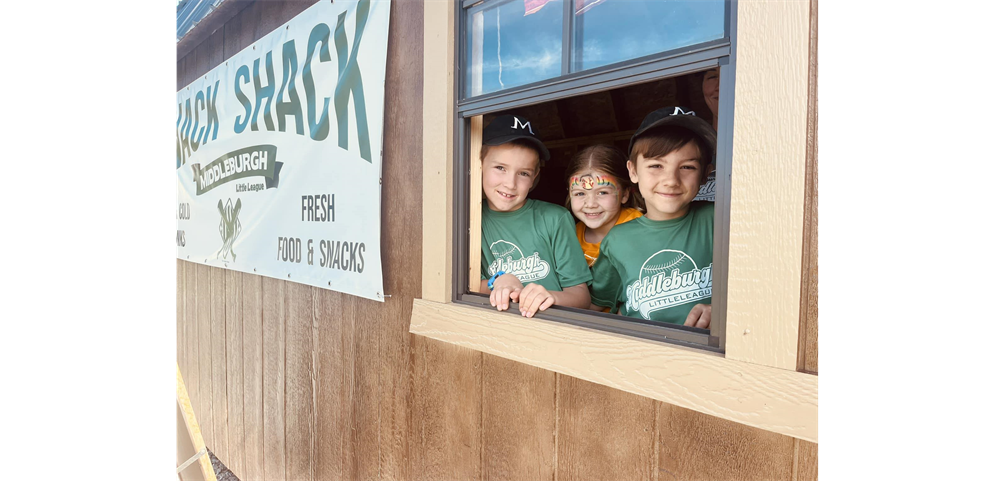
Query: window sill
767 398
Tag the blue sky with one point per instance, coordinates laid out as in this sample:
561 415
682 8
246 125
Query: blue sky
613 31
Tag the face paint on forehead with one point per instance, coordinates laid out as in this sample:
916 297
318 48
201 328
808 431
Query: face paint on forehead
591 181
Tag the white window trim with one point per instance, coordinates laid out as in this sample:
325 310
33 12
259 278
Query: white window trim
755 383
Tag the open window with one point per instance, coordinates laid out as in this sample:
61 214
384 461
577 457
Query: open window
745 368
586 72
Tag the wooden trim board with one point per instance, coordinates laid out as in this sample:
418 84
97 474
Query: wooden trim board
768 183
767 398
476 141
437 153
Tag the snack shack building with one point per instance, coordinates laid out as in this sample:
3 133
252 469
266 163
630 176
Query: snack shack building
328 242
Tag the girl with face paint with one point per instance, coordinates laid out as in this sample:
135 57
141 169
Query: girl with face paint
600 195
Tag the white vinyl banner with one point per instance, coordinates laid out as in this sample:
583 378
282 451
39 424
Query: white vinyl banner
278 153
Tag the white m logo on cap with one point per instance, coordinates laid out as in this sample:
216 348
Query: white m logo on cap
678 111
526 125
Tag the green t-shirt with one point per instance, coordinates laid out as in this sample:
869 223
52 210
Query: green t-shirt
657 270
536 243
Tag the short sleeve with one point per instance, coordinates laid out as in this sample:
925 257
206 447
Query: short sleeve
568 258
604 288
484 273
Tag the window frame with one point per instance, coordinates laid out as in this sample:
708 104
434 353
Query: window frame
757 381
718 53
468 7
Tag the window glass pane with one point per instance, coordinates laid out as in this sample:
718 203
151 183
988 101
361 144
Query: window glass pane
609 31
507 47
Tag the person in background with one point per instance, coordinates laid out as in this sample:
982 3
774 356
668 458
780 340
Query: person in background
710 90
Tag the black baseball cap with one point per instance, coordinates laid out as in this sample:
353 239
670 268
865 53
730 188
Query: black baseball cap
505 128
676 117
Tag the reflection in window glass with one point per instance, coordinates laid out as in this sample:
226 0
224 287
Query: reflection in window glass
507 48
610 31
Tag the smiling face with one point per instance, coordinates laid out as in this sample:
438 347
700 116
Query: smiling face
595 199
668 183
710 90
508 172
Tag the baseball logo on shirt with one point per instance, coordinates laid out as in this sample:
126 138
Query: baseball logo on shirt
509 258
707 190
668 278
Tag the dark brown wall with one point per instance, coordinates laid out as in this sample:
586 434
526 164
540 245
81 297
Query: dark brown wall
295 382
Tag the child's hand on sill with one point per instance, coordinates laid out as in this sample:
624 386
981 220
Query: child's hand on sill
533 298
505 287
700 316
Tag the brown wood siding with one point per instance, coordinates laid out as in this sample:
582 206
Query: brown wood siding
274 379
296 382
219 381
518 420
604 433
203 404
233 375
808 328
252 375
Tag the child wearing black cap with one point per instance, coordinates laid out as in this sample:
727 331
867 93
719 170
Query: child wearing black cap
529 253
659 267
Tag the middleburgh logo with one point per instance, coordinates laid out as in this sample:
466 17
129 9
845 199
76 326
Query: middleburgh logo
230 227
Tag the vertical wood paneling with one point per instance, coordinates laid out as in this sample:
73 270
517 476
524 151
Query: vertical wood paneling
274 384
401 246
445 407
603 433
300 399
219 363
191 374
806 461
204 402
695 446
271 15
366 391
347 399
232 42
333 343
241 30
234 375
181 67
291 8
268 16
202 59
252 375
393 379
181 325
518 420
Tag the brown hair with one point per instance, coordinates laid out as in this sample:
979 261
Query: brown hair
484 149
525 144
610 160
660 142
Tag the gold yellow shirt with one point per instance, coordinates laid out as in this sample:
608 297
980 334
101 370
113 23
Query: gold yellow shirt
591 251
